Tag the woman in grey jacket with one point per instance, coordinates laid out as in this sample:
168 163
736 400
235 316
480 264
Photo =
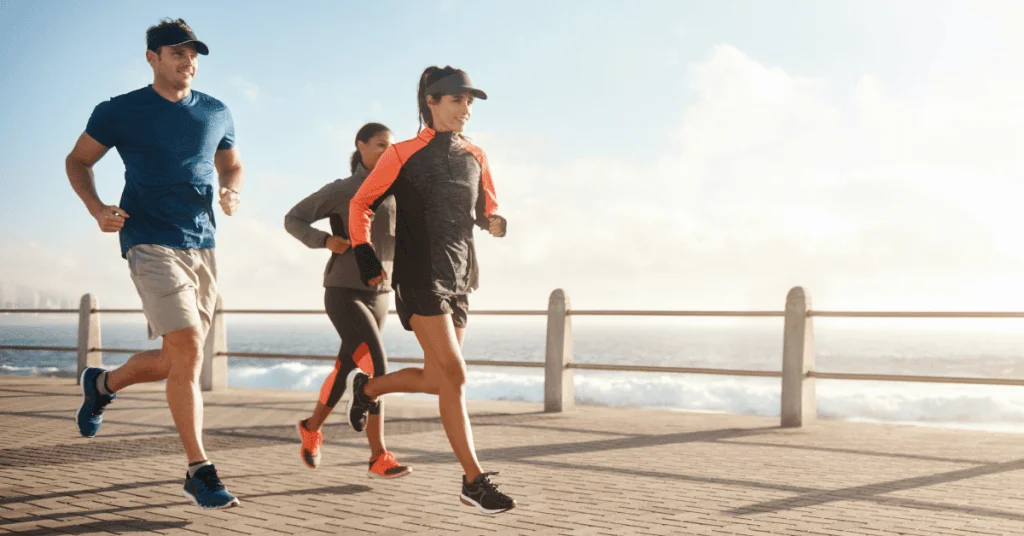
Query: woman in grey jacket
358 313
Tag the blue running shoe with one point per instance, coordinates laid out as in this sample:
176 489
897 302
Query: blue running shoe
206 491
90 415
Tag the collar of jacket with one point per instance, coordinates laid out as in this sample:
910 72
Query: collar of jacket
428 134
361 172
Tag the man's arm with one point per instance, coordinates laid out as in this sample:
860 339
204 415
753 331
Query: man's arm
230 175
78 165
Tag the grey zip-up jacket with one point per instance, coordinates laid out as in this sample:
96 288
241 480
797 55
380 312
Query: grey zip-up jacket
332 201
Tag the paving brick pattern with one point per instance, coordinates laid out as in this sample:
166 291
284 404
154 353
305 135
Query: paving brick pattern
599 471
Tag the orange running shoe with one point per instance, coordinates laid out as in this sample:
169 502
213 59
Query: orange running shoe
310 445
387 466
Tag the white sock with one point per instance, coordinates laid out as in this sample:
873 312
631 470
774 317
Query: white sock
193 467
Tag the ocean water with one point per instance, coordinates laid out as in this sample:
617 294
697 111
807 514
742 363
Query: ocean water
956 347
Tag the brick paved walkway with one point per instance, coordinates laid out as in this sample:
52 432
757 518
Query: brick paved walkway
591 471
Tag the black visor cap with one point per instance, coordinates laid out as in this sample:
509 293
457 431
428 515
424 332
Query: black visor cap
174 35
455 84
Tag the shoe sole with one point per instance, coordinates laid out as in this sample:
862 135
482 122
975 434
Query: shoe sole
371 474
81 381
470 502
351 398
191 499
298 429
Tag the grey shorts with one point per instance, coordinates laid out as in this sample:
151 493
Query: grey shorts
178 287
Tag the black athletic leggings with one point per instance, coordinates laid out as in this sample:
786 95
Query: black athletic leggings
359 316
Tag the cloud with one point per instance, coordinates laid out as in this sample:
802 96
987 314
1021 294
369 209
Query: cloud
870 200
262 266
68 268
259 266
340 135
869 197
249 89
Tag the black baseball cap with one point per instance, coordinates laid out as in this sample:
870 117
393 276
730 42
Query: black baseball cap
455 84
171 35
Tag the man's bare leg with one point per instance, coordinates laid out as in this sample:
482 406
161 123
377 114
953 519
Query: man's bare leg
183 349
143 367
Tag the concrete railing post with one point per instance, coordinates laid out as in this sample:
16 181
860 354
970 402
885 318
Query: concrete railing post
88 335
799 403
559 392
214 376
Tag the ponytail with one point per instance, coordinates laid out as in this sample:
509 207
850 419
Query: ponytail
427 78
355 160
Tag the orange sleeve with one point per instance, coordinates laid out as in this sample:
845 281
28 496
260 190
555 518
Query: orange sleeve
490 197
373 190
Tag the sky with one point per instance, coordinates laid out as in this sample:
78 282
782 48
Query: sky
648 155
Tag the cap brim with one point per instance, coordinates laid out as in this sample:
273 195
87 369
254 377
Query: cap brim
200 46
475 92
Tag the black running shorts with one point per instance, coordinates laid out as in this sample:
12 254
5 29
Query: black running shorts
410 302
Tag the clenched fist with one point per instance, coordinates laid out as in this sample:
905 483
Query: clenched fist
229 201
338 244
110 218
498 225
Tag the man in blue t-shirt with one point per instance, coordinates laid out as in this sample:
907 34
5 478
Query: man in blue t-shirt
178 148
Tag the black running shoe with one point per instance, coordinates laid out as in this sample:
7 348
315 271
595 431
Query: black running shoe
358 402
484 495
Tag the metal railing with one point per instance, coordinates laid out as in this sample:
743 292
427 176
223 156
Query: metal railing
798 374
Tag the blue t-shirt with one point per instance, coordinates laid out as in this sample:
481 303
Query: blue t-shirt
168 150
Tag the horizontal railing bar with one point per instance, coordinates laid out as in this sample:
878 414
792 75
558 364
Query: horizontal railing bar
596 312
41 348
914 378
508 312
117 311
40 311
391 312
585 312
411 360
75 348
918 314
678 370
261 355
596 366
121 350
274 311
521 364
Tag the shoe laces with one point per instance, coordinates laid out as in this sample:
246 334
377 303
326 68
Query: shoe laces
387 460
362 398
209 479
485 482
312 440
100 404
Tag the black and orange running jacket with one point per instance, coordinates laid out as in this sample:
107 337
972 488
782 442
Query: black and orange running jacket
442 187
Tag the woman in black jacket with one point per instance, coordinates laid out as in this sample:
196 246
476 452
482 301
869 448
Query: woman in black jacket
442 187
